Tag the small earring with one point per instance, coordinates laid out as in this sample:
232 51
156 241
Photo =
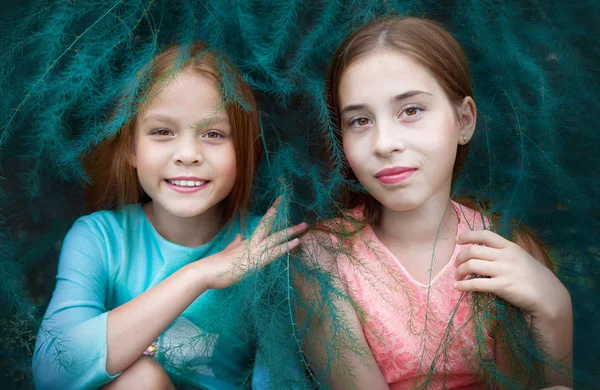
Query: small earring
466 138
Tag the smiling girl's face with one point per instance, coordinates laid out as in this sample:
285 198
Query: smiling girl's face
184 151
400 131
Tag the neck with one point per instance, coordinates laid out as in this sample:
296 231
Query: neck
434 220
189 231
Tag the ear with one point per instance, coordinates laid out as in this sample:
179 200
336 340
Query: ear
467 117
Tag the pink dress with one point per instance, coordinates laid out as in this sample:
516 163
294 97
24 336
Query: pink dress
411 327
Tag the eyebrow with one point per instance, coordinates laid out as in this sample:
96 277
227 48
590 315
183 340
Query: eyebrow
205 122
158 118
397 98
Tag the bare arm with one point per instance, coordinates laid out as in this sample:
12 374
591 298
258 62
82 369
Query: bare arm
133 326
336 348
555 325
521 273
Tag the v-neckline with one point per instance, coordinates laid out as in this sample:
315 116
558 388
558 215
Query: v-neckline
449 262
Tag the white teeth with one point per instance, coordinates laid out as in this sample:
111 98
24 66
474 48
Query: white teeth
186 183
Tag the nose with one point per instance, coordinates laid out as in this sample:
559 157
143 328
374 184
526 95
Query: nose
387 140
188 152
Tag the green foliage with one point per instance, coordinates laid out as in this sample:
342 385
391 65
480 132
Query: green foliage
65 65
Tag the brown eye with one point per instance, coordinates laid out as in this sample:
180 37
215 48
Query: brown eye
213 135
162 132
411 111
359 122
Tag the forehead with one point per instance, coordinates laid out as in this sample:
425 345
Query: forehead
186 92
384 73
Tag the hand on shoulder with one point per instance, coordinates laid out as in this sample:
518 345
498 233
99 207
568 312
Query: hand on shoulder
511 273
227 267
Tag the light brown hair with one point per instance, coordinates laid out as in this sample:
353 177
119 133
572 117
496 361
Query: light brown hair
114 181
431 45
425 41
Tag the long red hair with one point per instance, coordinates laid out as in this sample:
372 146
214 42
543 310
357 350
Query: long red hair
114 181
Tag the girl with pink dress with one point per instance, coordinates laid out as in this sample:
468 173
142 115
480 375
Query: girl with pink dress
400 96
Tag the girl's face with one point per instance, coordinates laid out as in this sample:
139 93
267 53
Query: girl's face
400 131
184 152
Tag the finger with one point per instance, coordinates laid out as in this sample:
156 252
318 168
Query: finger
477 267
266 222
285 235
476 252
276 252
483 237
282 249
488 285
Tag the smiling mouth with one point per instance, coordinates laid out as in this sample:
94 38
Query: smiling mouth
186 183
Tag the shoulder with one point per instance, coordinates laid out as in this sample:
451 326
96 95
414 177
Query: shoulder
105 226
93 240
314 248
327 243
315 263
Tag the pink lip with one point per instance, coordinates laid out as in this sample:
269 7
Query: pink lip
394 175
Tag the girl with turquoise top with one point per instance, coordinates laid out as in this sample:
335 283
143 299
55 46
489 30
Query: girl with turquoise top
170 192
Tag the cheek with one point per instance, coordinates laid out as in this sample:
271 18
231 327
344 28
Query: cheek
140 158
441 148
442 144
354 151
226 161
148 156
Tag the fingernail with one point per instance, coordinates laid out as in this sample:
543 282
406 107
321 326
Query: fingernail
294 241
455 284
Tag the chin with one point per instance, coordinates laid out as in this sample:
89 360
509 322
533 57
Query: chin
397 202
187 213
188 209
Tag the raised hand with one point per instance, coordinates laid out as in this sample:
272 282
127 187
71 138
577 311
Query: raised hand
511 273
225 268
